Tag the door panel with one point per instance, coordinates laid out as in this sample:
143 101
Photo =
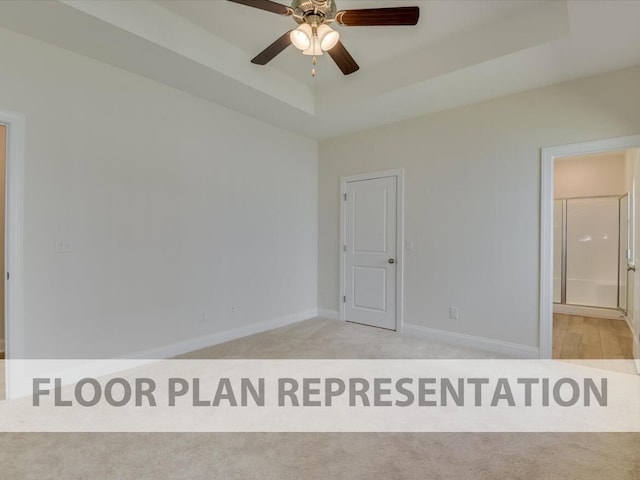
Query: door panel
370 217
623 254
558 236
370 252
371 288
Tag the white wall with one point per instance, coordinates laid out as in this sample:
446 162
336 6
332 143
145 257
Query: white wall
589 175
473 199
174 206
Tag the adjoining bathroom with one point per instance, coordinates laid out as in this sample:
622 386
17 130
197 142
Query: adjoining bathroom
594 231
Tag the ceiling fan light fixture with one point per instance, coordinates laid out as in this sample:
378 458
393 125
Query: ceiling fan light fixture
301 37
314 49
328 37
314 36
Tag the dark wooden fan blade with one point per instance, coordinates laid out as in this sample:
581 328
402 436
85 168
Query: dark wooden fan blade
368 17
343 59
267 5
273 50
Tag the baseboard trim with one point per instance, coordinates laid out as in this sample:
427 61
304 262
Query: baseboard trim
185 346
630 325
588 311
481 343
329 314
16 388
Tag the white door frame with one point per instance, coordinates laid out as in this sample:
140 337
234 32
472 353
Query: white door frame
399 174
14 224
548 156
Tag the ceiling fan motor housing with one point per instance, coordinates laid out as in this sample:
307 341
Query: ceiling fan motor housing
308 11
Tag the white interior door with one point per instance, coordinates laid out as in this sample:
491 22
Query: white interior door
370 252
624 254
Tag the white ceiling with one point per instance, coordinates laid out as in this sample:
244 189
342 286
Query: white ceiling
252 30
461 51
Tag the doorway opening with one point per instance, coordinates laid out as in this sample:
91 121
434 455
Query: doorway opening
588 296
592 255
371 253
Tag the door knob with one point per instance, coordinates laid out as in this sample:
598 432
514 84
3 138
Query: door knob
391 260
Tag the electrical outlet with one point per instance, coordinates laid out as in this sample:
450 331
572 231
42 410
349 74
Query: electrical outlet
63 245
453 313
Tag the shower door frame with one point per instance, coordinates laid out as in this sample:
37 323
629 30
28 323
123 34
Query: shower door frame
564 256
548 156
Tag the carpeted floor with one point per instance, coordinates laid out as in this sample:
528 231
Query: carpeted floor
323 456
320 456
320 338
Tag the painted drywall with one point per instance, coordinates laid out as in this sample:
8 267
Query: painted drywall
473 199
589 175
176 209
3 158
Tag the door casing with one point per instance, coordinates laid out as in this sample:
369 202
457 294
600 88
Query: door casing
399 174
14 221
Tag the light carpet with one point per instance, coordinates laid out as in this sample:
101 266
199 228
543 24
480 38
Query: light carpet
298 456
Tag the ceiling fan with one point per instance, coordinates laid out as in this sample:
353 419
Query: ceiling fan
314 35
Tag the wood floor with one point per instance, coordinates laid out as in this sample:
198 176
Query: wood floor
592 338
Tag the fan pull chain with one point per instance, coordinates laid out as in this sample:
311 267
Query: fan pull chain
314 61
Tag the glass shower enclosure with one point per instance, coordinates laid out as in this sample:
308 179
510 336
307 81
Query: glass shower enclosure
591 251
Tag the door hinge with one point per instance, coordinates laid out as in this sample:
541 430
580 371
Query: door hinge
345 197
7 275
344 299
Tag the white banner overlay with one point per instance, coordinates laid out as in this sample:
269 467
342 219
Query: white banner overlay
321 396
